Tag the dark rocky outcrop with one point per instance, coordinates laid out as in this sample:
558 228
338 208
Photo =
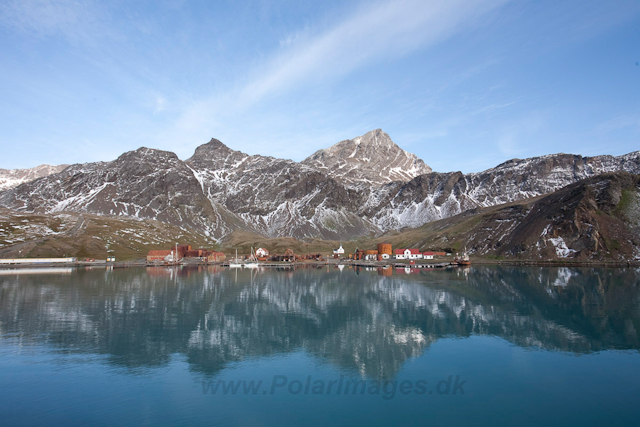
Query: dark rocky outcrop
595 219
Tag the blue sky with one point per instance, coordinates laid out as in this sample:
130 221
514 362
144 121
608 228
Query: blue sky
464 84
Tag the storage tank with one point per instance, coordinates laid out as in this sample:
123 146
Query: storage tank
384 248
371 252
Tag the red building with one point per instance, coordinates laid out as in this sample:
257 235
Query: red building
216 257
196 253
182 250
158 255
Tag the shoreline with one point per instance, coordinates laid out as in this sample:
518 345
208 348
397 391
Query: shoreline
436 264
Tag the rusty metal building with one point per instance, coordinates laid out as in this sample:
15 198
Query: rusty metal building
158 255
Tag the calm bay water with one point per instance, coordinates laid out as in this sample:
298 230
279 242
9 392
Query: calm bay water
318 346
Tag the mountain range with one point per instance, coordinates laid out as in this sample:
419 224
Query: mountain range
367 186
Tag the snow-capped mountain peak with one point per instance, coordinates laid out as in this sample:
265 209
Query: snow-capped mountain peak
372 158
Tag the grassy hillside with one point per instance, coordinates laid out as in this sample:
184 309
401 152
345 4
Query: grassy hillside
90 236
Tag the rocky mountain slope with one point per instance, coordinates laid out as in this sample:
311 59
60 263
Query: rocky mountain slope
144 184
596 219
277 197
440 195
338 193
10 178
370 159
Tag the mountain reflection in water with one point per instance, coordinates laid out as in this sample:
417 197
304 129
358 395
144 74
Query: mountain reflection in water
370 322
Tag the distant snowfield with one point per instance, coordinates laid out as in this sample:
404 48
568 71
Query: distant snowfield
10 178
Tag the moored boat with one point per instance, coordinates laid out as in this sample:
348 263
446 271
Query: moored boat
462 260
234 263
252 262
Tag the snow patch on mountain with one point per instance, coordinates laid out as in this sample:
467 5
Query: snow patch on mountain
10 178
562 251
370 159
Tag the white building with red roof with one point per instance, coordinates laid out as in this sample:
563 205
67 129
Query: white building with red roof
407 254
262 253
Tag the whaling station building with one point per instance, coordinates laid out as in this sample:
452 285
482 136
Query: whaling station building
385 252
184 251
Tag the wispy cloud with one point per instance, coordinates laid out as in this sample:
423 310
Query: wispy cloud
79 22
487 109
516 138
160 103
619 123
375 31
372 34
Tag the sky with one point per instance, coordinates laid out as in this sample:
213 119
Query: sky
463 84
